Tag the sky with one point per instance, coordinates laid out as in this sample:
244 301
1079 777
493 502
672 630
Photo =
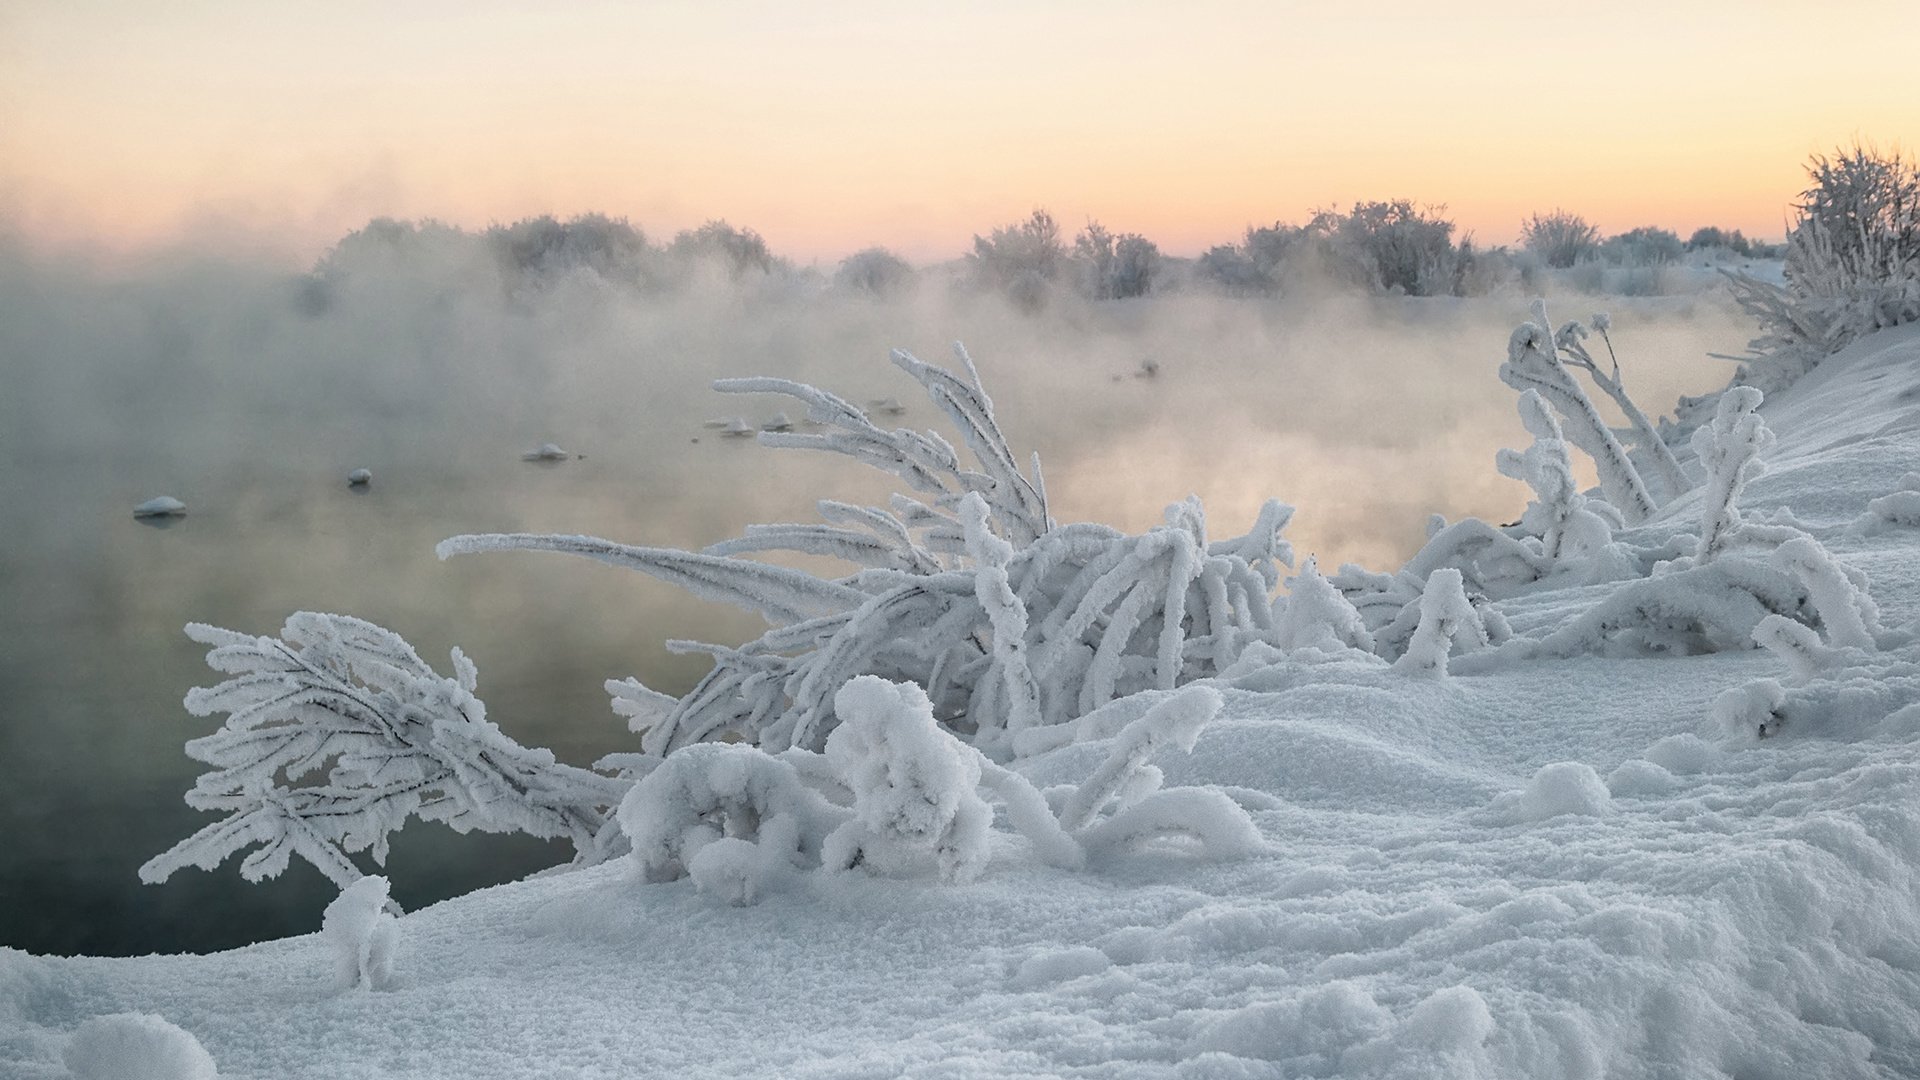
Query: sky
829 127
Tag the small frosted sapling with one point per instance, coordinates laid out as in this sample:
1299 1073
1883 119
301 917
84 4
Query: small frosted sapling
361 935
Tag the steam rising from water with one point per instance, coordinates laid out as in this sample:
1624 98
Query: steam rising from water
249 391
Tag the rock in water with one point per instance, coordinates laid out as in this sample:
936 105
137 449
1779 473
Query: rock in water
160 506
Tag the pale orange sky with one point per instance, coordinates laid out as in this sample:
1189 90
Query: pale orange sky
833 126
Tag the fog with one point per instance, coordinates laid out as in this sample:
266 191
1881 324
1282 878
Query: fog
248 388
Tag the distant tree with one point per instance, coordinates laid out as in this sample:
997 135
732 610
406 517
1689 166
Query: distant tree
1022 260
739 251
1648 245
1271 247
543 247
1231 269
1715 237
1559 239
1115 267
1396 246
875 270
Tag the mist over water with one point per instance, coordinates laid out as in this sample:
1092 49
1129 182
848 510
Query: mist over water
248 390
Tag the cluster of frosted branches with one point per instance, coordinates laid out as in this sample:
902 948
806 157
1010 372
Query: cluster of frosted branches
896 794
337 733
1564 524
1007 620
1855 680
1535 362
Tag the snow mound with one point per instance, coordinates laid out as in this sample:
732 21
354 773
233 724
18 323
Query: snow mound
914 786
362 935
1564 787
137 1046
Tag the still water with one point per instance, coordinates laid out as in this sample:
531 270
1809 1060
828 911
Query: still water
208 382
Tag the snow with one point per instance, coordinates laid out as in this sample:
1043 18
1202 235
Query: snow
915 797
1553 863
125 1045
160 506
363 934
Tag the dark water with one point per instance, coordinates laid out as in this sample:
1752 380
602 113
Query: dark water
208 381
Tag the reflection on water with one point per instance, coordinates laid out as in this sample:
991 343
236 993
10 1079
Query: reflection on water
206 385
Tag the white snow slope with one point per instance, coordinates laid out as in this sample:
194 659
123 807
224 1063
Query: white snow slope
1561 868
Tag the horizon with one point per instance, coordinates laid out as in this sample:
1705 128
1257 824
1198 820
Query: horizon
130 132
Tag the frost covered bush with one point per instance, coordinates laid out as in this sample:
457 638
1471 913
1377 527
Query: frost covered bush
1730 449
739 253
1447 621
874 271
1713 237
1648 245
1021 261
1006 623
1113 267
1380 247
1318 616
1852 264
337 733
1538 359
542 249
1566 523
1397 247
1560 239
733 818
1089 613
895 794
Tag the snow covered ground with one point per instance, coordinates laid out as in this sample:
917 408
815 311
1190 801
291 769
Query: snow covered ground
1552 868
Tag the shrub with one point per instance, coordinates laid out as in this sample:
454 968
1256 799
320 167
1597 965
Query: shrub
739 252
1021 260
1852 264
1397 247
1231 269
1115 267
1560 239
1648 245
539 249
1377 246
1715 237
1010 625
875 271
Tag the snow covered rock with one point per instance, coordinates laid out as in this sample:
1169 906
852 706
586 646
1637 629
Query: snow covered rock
137 1046
546 452
360 478
361 935
160 506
